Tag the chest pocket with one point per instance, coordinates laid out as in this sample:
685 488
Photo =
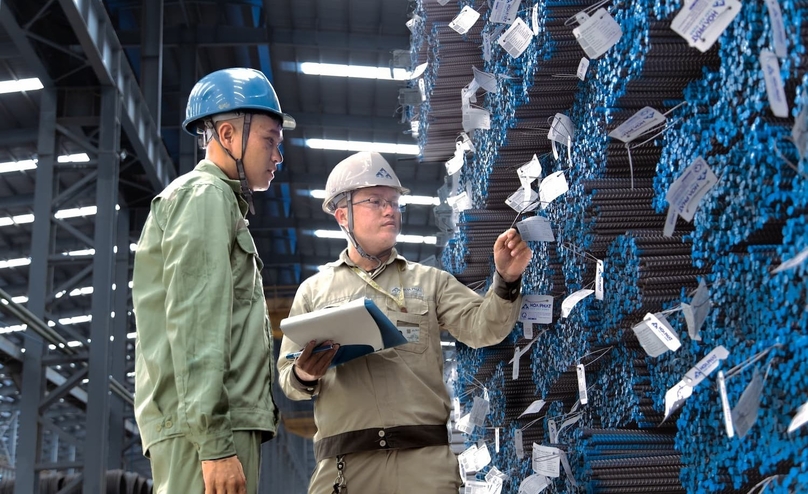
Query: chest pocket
413 324
246 267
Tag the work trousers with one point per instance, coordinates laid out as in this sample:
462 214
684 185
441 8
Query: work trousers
176 467
412 471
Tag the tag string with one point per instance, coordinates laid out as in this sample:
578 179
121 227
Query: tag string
751 360
587 10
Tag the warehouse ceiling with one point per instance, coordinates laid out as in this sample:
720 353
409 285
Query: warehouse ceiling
40 40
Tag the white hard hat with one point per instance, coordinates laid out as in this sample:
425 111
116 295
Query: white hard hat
359 171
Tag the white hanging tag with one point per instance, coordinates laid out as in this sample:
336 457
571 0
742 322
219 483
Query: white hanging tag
775 89
687 191
479 411
464 20
799 419
418 71
649 341
517 354
455 164
485 80
541 306
504 11
534 20
414 20
793 262
562 129
527 330
546 460
722 392
566 464
705 366
700 306
534 484
571 420
518 203
670 222
460 202
675 397
456 407
409 96
701 22
485 394
468 94
482 457
476 118
495 473
573 299
495 486
475 487
464 424
661 327
638 124
552 187
691 322
534 407
581 372
779 38
583 67
537 229
598 33
466 459
442 2
487 47
745 413
496 443
518 444
552 430
516 39
422 89
599 280
530 170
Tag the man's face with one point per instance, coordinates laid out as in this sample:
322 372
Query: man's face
377 218
262 156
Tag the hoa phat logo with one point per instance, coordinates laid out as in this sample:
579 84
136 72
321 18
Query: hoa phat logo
382 173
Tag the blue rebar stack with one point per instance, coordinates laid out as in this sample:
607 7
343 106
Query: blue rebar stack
751 221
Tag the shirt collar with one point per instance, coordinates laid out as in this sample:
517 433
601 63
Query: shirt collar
212 168
345 259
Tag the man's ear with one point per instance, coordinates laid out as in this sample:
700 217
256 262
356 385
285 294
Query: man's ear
341 214
227 132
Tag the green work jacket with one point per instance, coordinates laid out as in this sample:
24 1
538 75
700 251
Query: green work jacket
203 351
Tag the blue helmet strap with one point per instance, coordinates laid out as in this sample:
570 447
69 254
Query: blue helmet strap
246 192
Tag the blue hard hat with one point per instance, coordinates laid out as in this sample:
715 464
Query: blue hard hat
232 90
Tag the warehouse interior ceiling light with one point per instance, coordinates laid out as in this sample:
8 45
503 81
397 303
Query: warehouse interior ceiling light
405 239
403 200
354 71
23 165
32 84
358 146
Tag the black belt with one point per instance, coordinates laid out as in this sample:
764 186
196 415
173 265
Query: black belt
401 437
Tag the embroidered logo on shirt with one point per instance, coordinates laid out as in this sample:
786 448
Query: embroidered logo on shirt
382 173
410 292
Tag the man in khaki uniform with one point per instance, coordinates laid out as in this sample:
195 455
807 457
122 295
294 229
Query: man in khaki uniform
203 369
381 419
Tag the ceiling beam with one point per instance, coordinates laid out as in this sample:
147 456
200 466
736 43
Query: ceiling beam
205 36
93 28
353 122
18 137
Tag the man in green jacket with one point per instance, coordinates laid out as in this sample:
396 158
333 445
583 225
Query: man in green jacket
203 370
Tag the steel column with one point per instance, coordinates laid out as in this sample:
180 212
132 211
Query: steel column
120 326
39 279
188 145
97 439
151 56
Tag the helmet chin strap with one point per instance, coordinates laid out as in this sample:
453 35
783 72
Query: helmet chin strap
246 192
352 238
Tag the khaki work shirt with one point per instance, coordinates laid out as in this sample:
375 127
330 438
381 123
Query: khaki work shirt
402 385
203 365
